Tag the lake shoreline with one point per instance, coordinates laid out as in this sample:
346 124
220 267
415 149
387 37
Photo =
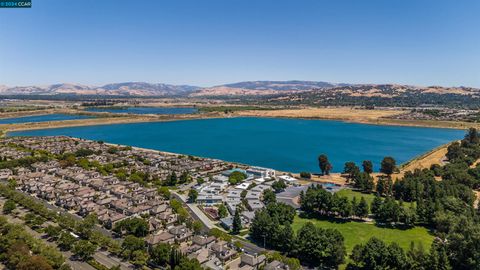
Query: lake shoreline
382 117
112 119
250 134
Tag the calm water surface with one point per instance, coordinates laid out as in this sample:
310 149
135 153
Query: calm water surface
42 118
146 110
284 144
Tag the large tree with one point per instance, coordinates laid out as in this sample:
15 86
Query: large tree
320 247
192 195
472 136
362 208
364 182
237 223
160 254
372 255
17 252
236 177
34 263
136 226
279 185
324 164
84 249
388 165
9 206
350 169
66 240
131 244
53 231
85 227
269 197
187 264
222 211
367 166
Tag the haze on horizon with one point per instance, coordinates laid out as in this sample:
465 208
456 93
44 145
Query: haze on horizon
206 43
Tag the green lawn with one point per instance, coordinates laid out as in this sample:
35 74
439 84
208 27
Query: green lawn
359 232
346 192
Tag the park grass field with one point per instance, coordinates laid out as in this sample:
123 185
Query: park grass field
359 232
350 194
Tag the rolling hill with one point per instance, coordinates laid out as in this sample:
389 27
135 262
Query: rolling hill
316 93
114 89
260 88
388 95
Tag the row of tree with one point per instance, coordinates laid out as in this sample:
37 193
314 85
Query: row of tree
132 248
390 211
312 245
376 254
271 227
318 201
21 251
387 166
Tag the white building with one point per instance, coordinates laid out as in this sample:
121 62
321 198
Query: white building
261 172
287 179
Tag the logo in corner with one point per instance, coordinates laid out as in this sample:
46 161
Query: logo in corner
15 3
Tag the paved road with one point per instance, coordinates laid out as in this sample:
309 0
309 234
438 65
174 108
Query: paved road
194 211
110 261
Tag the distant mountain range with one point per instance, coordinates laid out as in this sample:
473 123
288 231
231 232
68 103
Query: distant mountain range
298 90
160 89
262 88
113 89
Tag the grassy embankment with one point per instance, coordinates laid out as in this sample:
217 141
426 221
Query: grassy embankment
424 161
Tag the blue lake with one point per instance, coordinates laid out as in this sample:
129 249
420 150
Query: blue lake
42 118
145 110
283 144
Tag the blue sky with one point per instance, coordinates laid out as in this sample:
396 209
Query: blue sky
210 42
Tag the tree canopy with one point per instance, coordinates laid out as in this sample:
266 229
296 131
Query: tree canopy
324 164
